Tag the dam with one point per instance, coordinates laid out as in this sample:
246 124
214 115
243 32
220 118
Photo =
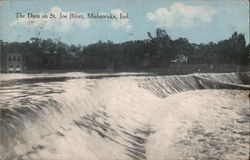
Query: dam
124 116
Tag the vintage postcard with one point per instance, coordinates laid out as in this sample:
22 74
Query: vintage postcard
124 80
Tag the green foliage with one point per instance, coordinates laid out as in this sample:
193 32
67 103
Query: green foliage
155 52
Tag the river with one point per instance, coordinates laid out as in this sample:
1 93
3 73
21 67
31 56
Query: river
124 116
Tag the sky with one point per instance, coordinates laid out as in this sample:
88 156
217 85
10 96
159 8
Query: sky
201 21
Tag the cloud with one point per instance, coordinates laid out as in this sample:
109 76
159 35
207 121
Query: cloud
181 15
61 25
246 1
122 24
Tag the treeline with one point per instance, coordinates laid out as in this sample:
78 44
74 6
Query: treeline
155 52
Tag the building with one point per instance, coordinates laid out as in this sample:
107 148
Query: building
180 58
14 63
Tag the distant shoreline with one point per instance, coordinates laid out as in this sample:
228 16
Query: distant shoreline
178 68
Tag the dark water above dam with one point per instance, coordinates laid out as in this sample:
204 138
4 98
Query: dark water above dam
123 116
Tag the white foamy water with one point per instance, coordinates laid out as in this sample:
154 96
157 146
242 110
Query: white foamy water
85 116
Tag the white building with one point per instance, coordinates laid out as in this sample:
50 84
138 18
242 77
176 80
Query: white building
14 63
181 58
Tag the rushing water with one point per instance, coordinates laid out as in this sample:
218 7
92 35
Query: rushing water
120 116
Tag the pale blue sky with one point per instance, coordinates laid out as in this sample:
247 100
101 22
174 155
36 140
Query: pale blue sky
200 21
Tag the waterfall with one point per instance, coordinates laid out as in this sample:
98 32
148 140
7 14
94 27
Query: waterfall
35 111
